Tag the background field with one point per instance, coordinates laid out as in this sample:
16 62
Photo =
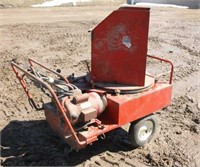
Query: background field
58 37
27 3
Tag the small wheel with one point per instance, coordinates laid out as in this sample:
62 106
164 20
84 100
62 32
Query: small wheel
142 131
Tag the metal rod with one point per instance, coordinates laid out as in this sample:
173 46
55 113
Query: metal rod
31 61
166 61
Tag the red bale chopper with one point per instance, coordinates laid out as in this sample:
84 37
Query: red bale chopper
116 91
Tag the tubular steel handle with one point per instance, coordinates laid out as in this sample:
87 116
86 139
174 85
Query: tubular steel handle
31 61
54 96
166 61
21 80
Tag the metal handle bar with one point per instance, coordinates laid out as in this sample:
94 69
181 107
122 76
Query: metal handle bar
47 86
31 61
166 61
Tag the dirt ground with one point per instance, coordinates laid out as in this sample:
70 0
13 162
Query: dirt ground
59 37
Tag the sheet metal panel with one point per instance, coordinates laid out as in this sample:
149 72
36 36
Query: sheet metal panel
119 47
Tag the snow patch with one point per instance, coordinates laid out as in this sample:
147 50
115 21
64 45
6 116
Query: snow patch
160 5
58 3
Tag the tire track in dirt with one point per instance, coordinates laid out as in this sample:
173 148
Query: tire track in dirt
65 45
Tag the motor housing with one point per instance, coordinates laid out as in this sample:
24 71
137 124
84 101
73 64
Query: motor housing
84 107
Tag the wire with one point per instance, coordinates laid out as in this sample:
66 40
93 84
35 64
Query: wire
68 89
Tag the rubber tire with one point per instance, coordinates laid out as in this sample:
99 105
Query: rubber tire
135 127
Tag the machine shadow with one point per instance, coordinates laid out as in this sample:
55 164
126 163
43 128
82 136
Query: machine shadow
32 143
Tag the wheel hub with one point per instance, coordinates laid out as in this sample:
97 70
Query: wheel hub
145 131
